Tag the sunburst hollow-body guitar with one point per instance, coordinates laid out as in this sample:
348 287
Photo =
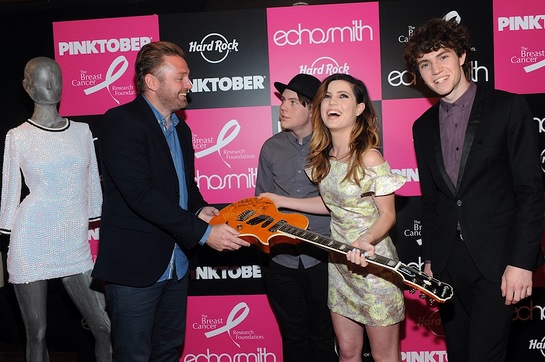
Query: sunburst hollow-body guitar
259 222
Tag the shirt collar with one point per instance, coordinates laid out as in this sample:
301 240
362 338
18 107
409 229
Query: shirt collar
174 120
465 100
294 138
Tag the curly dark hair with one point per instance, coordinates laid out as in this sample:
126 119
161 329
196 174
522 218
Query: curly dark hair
434 35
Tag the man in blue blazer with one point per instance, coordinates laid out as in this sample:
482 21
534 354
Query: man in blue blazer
477 151
153 211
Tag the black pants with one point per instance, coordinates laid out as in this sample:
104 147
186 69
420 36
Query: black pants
298 298
476 320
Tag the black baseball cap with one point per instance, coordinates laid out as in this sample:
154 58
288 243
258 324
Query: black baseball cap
304 84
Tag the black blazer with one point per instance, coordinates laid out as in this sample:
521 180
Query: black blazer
141 219
499 196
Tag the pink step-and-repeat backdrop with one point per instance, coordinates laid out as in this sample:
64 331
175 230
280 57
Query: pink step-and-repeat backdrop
234 58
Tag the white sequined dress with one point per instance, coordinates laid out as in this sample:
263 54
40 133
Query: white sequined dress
49 227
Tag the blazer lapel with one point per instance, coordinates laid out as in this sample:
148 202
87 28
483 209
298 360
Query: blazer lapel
153 124
155 131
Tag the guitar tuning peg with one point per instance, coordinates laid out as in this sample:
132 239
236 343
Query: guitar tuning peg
422 296
431 302
412 291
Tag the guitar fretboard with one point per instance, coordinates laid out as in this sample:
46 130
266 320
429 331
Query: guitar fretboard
330 244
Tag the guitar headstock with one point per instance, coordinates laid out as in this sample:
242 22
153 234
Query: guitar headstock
432 288
430 301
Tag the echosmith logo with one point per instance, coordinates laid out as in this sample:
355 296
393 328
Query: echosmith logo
214 47
356 32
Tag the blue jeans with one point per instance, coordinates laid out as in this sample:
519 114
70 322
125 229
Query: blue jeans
148 324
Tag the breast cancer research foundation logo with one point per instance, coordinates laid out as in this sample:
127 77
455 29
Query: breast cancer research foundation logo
529 57
255 349
227 134
115 71
237 315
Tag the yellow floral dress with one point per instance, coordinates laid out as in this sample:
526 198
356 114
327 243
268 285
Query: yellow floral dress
372 295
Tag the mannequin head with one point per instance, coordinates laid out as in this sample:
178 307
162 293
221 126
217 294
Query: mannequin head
43 80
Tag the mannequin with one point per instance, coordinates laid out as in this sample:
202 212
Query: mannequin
49 227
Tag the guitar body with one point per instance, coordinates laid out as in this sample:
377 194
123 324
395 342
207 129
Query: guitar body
259 222
260 236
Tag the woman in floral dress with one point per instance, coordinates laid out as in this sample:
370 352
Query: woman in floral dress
357 188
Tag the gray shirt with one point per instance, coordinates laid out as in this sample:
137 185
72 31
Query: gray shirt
282 162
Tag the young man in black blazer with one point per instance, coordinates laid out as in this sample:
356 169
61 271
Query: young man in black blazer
153 211
477 151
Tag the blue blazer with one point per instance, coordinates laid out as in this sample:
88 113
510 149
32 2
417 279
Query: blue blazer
141 218
498 198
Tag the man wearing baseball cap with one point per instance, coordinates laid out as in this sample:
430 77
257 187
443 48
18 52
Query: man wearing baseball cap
295 276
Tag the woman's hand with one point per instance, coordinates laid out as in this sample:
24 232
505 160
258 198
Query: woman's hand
276 199
361 249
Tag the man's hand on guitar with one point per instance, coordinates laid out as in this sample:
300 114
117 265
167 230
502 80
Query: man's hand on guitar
361 250
224 238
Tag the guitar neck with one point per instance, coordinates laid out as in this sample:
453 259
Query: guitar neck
334 245
434 288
